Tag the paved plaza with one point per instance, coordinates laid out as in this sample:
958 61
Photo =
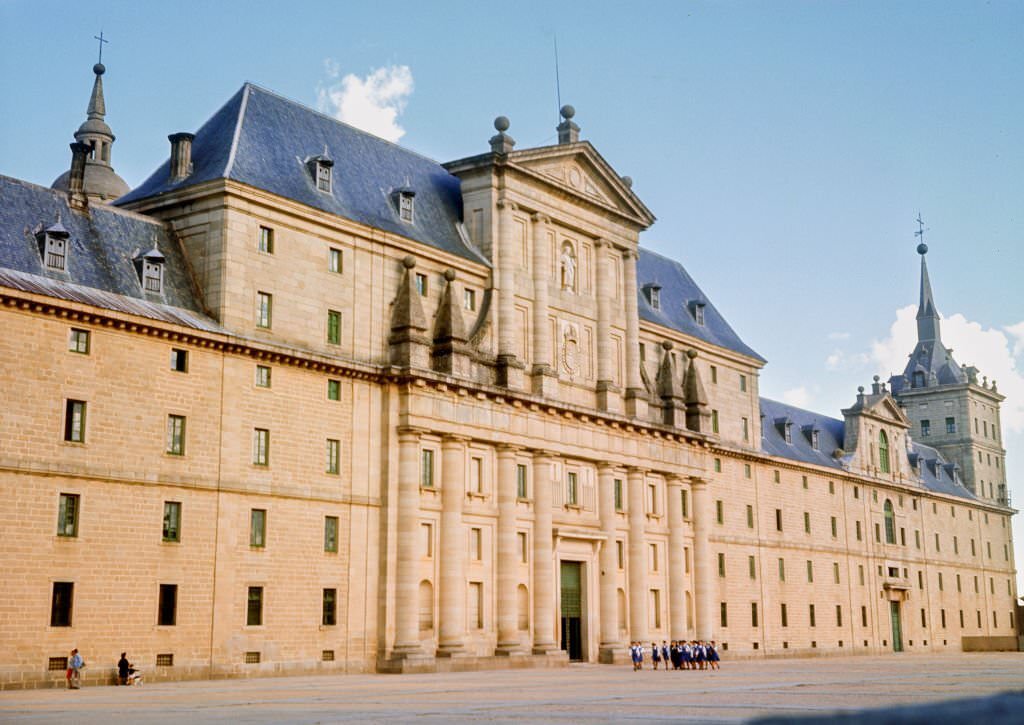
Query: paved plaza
739 692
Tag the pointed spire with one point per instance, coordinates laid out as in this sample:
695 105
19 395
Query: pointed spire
97 106
670 389
927 314
450 353
409 342
698 414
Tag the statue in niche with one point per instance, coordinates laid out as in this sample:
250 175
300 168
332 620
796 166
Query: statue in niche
568 267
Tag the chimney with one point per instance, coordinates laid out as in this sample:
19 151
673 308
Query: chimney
76 180
568 132
181 155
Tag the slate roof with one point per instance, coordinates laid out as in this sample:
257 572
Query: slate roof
936 473
263 140
102 246
678 290
933 359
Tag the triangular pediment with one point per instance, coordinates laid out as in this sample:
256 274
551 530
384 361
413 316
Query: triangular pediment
885 408
581 171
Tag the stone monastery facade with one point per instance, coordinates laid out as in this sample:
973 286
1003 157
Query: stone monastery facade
305 400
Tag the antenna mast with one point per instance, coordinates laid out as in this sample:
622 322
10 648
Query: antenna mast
558 83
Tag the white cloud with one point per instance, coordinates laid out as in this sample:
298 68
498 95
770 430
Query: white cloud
799 396
841 360
372 103
993 351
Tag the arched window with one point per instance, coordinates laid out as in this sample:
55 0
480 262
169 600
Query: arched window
883 451
890 523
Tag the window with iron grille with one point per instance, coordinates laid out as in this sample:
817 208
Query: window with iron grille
165 660
67 516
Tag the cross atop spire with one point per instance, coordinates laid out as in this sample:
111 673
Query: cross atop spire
102 41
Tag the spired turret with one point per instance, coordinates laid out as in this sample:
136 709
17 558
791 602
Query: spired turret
101 182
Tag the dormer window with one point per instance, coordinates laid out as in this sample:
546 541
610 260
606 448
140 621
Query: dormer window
150 267
788 433
697 310
54 245
814 440
918 379
406 205
653 294
323 177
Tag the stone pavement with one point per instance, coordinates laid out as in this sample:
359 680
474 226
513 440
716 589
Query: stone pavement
740 691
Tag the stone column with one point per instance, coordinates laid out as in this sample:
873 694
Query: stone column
543 558
607 393
637 556
611 649
454 545
510 369
702 579
636 398
407 639
508 561
545 378
676 559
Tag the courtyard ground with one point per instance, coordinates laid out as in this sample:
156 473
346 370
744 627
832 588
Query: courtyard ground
739 692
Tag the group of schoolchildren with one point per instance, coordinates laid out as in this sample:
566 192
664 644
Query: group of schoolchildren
682 655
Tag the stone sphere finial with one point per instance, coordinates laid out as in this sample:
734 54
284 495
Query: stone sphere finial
860 389
691 353
567 111
922 249
409 261
628 181
501 124
99 69
876 378
666 345
449 274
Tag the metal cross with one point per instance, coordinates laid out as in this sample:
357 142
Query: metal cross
920 227
102 41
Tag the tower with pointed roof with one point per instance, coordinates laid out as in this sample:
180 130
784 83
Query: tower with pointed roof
952 408
102 184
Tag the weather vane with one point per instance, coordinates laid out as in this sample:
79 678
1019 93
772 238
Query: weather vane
102 41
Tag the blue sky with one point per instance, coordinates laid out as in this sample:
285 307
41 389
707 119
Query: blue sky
785 147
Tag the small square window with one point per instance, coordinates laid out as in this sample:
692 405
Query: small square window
469 299
179 360
421 284
74 421
262 376
265 244
165 660
258 528
334 390
78 341
333 327
167 609
172 521
335 261
67 516
253 658
176 435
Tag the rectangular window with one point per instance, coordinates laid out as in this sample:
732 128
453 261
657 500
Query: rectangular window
721 564
427 531
807 522
782 570
427 468
835 527
940 581
753 614
743 383
718 465
524 550
572 489
747 471
258 528
265 242
521 491
810 571
167 610
956 545
333 327
617 484
476 544
724 614
752 566
684 499
719 512
804 481
254 607
778 519
67 515
835 571
656 608
476 474
784 615
476 605
714 421
78 341
860 574
860 535
333 456
777 476
810 615
329 617
176 435
652 499
750 516
179 360
261 447
334 261
950 425
61 604
653 548
745 427
938 547
620 552
331 534
839 615
831 487
714 373
262 376
74 421
421 284
264 310
926 428
917 538
334 390
172 521
469 299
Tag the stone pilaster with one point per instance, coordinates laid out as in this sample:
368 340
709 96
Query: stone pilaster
407 640
543 558
636 395
608 395
676 559
543 375
611 648
508 561
702 573
510 368
454 546
637 556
